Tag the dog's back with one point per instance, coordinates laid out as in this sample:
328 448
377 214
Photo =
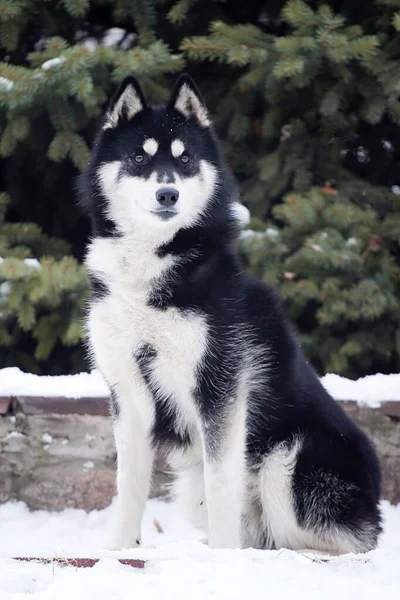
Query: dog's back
200 360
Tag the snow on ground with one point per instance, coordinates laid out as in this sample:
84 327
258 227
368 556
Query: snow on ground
371 390
14 382
179 567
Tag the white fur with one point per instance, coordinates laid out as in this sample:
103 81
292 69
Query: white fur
275 483
132 200
190 493
177 148
188 103
128 101
150 146
224 482
120 324
134 452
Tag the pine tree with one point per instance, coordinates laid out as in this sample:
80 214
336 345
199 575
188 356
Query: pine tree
312 116
41 301
60 63
333 265
304 95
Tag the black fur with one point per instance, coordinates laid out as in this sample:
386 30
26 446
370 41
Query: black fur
114 404
165 431
98 288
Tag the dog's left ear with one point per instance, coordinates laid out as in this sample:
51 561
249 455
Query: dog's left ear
187 100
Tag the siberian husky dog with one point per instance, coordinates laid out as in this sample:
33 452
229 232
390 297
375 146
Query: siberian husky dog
201 363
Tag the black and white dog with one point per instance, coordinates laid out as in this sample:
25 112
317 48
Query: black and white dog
201 363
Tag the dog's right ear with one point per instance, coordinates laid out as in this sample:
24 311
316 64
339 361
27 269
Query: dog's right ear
126 104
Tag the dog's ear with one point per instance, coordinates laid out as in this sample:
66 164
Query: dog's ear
187 100
126 104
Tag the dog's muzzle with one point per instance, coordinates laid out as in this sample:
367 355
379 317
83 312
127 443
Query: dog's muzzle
166 198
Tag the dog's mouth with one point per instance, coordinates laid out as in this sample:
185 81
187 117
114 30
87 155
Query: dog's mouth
165 215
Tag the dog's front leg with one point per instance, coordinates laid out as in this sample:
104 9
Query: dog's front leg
132 423
224 475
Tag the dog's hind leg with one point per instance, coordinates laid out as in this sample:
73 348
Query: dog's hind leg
314 508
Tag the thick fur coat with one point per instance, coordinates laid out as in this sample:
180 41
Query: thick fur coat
201 363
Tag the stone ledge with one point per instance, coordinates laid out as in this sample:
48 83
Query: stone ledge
65 457
5 405
33 405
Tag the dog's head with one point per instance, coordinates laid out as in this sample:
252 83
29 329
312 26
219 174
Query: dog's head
156 166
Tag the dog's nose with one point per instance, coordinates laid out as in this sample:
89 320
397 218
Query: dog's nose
167 197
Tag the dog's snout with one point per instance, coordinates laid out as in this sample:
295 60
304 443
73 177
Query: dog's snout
167 196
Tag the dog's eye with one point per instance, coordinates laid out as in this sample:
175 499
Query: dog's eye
138 158
184 158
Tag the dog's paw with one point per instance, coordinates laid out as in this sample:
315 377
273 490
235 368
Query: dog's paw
204 540
121 542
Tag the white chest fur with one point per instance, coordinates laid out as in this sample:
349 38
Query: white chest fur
122 322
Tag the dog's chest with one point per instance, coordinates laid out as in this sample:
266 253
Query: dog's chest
122 323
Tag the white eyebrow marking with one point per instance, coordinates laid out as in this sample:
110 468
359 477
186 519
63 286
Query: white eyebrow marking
177 148
150 146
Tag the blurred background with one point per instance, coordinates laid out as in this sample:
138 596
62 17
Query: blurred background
305 98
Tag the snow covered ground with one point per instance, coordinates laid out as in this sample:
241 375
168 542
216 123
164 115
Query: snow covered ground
371 390
179 567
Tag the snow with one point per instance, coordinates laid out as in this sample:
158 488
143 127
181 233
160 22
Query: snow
29 262
32 262
370 390
14 382
53 62
91 44
47 438
113 36
14 434
6 84
316 247
178 565
387 144
271 232
129 40
5 288
251 233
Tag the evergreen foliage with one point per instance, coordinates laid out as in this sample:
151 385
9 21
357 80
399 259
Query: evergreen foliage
340 280
305 96
41 301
